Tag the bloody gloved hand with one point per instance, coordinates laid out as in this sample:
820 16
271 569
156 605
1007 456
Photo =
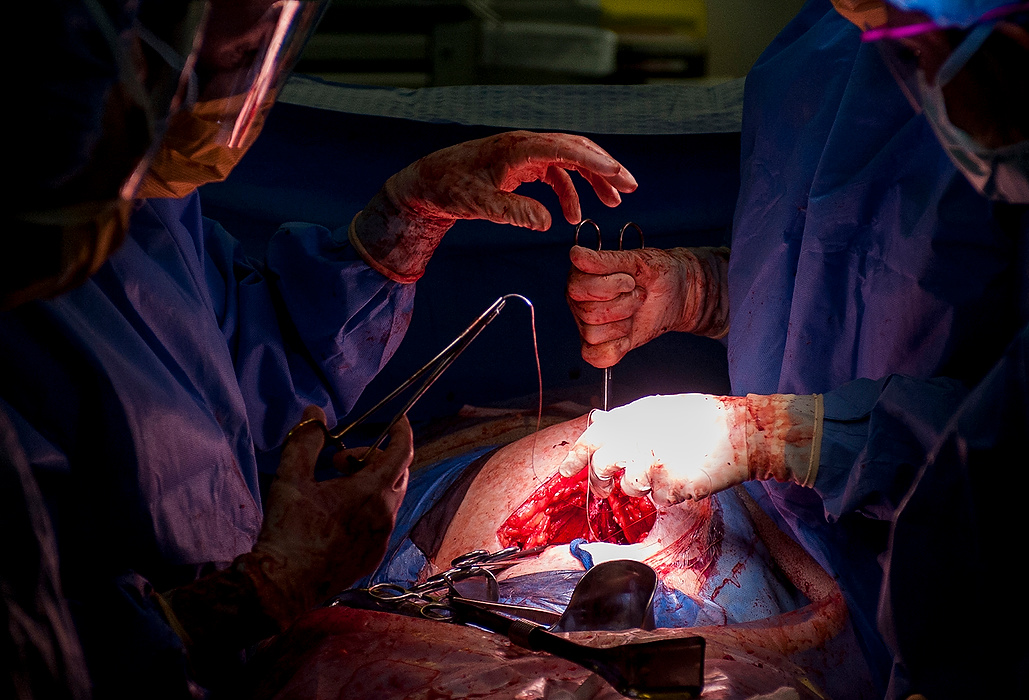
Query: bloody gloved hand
400 228
320 537
317 539
688 446
622 299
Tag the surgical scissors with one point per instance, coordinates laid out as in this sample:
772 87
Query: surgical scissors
477 563
606 387
433 368
474 563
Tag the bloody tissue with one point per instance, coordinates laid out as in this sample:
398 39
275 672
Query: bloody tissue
562 510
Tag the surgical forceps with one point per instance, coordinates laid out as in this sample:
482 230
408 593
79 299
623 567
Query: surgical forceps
433 368
477 563
473 563
606 388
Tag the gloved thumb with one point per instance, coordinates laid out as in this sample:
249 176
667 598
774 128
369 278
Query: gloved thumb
305 442
509 208
397 456
577 459
605 262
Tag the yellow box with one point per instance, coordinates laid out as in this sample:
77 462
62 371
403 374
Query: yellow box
684 15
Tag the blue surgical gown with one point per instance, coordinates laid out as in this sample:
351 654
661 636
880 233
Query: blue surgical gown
144 397
864 267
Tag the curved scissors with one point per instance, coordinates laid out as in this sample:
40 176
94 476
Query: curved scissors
606 392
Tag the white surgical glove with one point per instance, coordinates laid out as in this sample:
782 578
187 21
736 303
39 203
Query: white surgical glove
688 446
400 228
622 299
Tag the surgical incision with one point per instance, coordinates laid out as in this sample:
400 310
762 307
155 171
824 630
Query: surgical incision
562 509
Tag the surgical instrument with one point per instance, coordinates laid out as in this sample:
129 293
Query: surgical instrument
669 667
475 567
614 595
433 368
606 387
473 564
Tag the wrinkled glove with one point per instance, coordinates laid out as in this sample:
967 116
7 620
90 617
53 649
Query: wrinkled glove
622 299
688 446
400 228
320 537
317 539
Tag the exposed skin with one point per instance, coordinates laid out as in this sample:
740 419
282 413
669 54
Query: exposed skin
624 299
400 228
678 545
339 651
863 13
505 481
515 471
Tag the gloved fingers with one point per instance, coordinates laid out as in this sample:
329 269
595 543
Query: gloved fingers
578 456
601 287
389 466
606 354
606 190
609 461
598 334
621 307
600 486
300 453
561 182
577 459
668 488
576 153
606 262
508 208
636 479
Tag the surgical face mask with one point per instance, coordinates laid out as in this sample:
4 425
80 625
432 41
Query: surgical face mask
193 151
247 54
1000 173
991 147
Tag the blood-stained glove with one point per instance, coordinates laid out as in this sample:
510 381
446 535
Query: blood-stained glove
688 446
400 228
622 299
317 539
320 537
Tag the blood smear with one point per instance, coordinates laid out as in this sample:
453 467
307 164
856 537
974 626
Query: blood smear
557 512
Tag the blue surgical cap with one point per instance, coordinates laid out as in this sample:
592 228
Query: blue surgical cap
952 12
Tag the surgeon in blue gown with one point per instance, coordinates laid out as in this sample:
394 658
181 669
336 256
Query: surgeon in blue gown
75 154
142 396
874 305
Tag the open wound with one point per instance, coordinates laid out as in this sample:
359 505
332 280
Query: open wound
562 510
